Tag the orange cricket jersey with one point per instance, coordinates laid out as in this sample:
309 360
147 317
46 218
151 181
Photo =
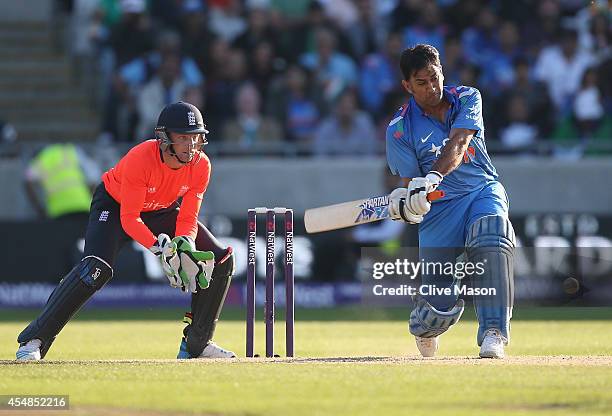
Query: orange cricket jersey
142 182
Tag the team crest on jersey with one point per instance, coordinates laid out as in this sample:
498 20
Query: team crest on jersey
191 118
373 208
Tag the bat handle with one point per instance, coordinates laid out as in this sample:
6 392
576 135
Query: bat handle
433 195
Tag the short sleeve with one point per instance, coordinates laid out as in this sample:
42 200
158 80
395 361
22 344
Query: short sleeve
401 154
469 115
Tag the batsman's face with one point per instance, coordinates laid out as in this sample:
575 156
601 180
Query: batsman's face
426 86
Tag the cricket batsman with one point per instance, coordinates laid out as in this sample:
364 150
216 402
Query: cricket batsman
137 200
437 141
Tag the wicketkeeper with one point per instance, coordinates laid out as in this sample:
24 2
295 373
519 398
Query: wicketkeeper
138 199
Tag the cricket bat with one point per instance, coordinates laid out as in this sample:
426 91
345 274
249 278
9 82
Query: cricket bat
349 214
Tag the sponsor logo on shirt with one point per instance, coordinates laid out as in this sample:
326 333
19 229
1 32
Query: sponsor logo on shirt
153 205
424 139
474 113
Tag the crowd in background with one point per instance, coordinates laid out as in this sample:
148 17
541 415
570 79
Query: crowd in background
324 74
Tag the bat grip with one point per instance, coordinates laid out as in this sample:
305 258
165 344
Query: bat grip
433 195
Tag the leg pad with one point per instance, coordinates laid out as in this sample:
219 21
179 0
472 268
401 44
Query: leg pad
90 275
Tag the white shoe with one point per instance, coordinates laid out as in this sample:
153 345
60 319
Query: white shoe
30 351
427 346
492 344
212 350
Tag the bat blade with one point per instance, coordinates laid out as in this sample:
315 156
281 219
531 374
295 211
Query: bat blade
349 214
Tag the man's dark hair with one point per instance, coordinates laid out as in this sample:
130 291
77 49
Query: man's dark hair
418 57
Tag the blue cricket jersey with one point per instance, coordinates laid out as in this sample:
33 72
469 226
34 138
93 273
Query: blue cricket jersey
415 141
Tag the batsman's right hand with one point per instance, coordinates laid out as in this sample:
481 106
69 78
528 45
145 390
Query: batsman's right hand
399 208
166 250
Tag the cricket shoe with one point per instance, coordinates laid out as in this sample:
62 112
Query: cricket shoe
427 346
211 350
29 351
492 344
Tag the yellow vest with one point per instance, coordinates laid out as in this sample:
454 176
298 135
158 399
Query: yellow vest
63 180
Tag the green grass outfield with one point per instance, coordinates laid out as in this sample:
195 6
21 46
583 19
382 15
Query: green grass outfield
350 362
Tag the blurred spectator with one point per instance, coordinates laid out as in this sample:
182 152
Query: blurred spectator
263 67
367 35
222 89
460 15
8 140
348 131
166 87
406 13
540 107
380 75
196 36
169 13
452 61
87 28
292 102
498 72
518 133
593 27
111 11
542 30
226 20
302 39
140 70
259 30
120 112
333 70
588 107
250 128
605 84
342 12
133 35
479 40
65 176
428 29
292 10
469 75
600 34
561 67
220 52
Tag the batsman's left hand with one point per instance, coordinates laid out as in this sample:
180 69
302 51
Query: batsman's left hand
196 266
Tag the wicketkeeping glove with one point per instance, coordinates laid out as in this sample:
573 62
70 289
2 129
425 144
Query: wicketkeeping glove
196 267
166 250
